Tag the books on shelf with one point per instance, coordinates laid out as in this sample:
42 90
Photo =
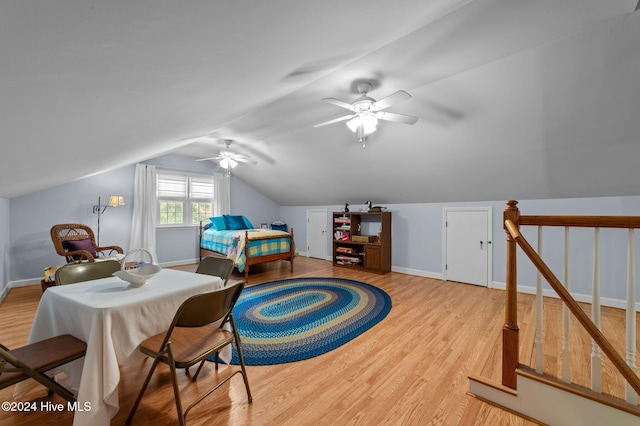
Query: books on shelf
347 260
348 250
342 235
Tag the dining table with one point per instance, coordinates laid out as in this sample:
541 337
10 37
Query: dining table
113 318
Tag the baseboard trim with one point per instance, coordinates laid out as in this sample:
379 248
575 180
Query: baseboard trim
179 262
579 297
417 272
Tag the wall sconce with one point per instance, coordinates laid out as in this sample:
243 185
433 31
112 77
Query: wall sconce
114 201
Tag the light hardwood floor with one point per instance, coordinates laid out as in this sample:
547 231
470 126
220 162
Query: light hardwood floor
410 369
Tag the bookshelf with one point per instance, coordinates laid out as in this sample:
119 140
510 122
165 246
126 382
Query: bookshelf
362 240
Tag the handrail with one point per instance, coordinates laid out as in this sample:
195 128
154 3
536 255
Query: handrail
582 221
573 306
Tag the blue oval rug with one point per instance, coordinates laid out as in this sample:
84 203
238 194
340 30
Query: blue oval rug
295 319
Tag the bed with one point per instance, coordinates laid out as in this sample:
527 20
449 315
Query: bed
245 246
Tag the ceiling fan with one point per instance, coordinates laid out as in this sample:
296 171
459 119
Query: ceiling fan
229 159
367 111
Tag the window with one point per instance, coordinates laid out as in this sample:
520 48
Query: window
184 199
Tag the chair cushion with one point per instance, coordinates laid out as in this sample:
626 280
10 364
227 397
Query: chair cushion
84 244
189 344
51 353
234 222
218 223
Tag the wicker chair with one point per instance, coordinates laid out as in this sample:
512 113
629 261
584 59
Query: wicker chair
76 243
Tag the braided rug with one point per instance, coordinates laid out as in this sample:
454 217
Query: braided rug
295 319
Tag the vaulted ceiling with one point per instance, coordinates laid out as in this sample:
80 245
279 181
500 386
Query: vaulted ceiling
515 99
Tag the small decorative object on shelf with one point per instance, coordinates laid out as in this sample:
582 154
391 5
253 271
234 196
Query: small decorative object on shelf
346 207
374 209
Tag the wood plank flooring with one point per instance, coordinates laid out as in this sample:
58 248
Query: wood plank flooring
410 369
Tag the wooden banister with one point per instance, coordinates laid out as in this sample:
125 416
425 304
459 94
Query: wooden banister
581 221
624 369
510 331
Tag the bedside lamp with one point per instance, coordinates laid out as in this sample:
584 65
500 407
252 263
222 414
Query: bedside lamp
114 201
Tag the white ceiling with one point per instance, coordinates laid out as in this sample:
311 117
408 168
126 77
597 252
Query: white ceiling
517 99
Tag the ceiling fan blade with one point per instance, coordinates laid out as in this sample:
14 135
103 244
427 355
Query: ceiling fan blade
240 157
244 159
198 138
334 120
339 103
399 118
216 157
392 99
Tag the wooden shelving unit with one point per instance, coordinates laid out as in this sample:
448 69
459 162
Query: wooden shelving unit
362 240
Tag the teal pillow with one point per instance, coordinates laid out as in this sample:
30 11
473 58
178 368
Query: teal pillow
279 227
218 223
247 222
234 222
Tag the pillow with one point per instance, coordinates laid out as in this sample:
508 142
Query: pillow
234 222
279 226
247 222
218 223
84 244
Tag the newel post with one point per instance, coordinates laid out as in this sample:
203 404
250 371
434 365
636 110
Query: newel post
510 358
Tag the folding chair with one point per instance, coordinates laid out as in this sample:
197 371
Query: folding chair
32 361
77 272
216 266
192 338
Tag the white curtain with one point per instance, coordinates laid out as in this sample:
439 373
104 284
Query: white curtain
143 225
221 194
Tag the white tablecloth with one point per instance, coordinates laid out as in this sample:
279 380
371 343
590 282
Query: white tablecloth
113 319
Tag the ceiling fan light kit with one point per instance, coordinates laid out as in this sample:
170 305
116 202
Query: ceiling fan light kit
229 159
367 111
227 163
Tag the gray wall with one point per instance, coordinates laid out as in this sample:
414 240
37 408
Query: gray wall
5 241
180 245
417 241
33 215
26 248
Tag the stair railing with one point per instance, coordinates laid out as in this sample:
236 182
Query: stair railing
512 222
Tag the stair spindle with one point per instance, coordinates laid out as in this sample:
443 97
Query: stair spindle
566 316
631 395
596 356
539 339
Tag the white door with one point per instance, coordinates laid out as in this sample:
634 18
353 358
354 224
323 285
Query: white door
317 234
467 245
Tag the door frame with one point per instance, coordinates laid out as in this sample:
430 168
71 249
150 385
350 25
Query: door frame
326 221
489 212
